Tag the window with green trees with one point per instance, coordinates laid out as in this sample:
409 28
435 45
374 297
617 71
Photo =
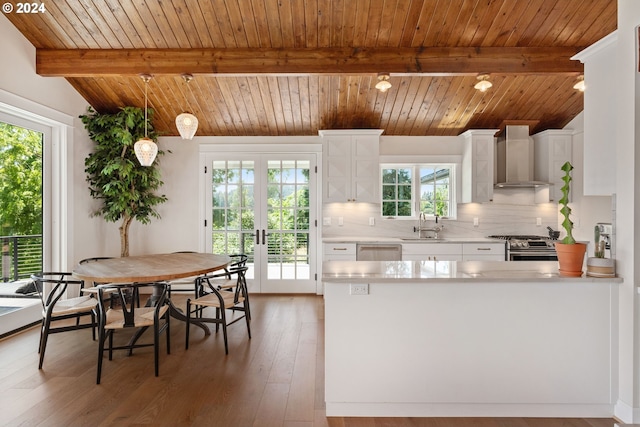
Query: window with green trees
20 201
408 190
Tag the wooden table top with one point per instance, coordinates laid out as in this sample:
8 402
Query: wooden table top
150 268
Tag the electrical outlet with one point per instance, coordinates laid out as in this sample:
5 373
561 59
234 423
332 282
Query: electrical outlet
372 221
340 221
359 289
326 220
475 221
538 222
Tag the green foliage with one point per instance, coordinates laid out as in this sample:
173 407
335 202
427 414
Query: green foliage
234 219
567 224
115 177
21 184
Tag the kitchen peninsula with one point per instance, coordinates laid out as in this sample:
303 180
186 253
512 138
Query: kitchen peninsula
446 338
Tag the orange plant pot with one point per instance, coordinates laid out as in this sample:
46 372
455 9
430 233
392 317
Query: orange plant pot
570 258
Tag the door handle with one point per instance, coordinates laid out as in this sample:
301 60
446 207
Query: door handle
264 236
257 237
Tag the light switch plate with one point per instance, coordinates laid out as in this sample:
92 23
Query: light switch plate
326 220
340 221
372 221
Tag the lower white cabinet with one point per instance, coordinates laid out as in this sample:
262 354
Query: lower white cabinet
484 251
445 251
432 251
339 252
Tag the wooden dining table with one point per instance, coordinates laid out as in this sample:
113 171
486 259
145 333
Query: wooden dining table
153 268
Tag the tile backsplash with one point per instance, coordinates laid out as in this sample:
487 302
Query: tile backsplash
511 212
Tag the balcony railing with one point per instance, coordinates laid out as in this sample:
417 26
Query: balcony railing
21 256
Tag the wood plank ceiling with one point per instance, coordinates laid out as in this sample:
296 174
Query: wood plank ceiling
292 67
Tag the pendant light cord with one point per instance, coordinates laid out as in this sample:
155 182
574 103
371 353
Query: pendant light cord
146 83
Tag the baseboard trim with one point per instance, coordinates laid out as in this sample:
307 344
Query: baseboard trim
626 413
341 409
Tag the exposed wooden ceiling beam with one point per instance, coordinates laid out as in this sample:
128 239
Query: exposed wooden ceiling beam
427 60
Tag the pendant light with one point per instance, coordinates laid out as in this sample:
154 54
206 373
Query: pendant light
484 83
187 123
145 149
383 82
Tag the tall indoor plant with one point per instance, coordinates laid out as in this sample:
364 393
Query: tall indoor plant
570 253
116 178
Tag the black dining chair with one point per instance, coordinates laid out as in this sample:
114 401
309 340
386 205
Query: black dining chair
228 280
123 312
53 289
234 300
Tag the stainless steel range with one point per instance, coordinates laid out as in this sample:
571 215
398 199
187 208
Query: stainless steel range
529 248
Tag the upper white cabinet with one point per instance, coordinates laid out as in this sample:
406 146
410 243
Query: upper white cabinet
552 150
351 171
599 116
477 165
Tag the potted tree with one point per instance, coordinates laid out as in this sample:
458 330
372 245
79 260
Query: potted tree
570 253
116 178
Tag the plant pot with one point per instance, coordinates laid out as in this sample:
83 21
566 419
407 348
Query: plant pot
570 258
601 267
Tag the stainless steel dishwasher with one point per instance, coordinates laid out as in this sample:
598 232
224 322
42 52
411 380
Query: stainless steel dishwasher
378 252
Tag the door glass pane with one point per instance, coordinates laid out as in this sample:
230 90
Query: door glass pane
233 222
21 154
288 219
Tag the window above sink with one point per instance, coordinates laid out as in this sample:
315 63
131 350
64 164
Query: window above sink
409 189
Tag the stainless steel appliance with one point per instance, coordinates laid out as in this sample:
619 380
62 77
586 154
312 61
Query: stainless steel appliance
528 248
378 252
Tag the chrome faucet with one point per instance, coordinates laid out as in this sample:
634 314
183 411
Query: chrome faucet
422 229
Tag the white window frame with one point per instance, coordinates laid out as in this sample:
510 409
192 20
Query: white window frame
57 173
415 187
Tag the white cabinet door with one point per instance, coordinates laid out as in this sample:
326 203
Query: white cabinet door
600 137
484 251
552 150
431 251
477 166
351 165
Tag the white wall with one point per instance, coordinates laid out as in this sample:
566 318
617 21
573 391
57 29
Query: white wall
51 98
627 210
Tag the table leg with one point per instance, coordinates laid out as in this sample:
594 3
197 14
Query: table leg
178 314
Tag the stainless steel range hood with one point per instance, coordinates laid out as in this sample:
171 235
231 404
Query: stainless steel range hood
515 168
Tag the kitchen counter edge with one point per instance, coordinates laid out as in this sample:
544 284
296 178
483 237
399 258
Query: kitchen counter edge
449 271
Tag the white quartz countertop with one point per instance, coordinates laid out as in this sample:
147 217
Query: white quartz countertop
408 239
420 271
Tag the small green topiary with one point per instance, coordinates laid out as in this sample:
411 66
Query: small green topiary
567 224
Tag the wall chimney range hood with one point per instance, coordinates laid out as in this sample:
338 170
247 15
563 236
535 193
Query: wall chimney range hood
514 158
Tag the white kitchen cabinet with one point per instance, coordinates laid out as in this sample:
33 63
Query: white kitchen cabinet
552 150
489 251
339 251
478 165
351 171
441 251
600 116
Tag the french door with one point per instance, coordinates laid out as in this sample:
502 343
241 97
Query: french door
264 205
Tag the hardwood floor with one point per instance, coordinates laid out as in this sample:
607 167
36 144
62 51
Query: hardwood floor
274 379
